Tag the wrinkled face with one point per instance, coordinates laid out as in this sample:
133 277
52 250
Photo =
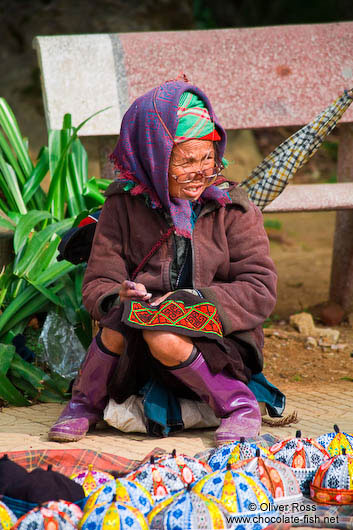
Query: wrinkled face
188 157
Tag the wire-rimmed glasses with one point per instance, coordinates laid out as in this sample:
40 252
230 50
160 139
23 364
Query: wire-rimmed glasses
209 175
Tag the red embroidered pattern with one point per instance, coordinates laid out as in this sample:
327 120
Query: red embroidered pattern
199 317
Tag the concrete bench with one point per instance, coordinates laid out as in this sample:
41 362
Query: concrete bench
257 77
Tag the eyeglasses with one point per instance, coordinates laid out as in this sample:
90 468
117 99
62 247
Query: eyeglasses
209 175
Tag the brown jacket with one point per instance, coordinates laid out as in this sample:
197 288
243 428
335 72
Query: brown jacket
231 263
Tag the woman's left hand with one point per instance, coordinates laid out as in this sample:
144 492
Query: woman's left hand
161 299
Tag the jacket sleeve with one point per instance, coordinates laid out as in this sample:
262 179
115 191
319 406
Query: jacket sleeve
248 296
106 268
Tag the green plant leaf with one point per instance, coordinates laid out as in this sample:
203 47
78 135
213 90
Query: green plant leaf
103 184
37 246
22 306
83 329
48 293
10 203
24 386
9 393
76 184
14 216
9 124
80 162
15 330
11 159
91 190
32 186
48 258
55 195
39 380
55 271
28 371
54 149
12 184
4 223
78 280
58 383
26 225
48 396
6 279
3 205
75 201
7 352
57 163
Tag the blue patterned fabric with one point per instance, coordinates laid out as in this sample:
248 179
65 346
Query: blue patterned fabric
123 490
242 494
113 515
188 511
233 452
334 442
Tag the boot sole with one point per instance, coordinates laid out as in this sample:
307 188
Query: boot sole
64 437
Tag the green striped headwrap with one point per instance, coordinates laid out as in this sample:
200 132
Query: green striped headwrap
194 120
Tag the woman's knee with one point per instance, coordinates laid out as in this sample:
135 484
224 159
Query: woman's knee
113 340
168 348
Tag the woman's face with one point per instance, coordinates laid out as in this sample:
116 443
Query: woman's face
188 157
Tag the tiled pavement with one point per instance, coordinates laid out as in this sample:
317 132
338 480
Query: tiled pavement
318 409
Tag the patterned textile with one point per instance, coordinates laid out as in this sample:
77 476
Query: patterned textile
197 320
91 479
333 481
265 441
233 452
190 469
277 477
58 515
159 480
303 455
70 461
7 517
271 176
194 120
144 147
334 442
239 492
188 510
113 515
122 490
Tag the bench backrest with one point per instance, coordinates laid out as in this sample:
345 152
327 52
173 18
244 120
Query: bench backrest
255 77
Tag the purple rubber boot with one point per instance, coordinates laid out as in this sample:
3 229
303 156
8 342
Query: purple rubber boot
230 399
89 397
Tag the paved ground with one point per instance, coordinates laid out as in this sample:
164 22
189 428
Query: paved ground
318 409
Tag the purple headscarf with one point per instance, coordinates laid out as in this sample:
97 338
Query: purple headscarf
143 151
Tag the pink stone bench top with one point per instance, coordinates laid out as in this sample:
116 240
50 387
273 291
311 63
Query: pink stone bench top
255 77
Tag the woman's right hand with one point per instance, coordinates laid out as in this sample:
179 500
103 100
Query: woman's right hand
133 291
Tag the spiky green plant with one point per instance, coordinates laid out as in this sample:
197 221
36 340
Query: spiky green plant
35 280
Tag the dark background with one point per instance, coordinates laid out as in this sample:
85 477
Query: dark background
22 20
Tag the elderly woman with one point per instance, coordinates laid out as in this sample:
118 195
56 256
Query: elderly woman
179 274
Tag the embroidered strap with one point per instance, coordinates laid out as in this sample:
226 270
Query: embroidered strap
153 250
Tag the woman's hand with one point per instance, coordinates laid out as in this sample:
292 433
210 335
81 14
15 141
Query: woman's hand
133 291
161 299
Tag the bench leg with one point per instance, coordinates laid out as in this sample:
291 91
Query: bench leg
341 288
